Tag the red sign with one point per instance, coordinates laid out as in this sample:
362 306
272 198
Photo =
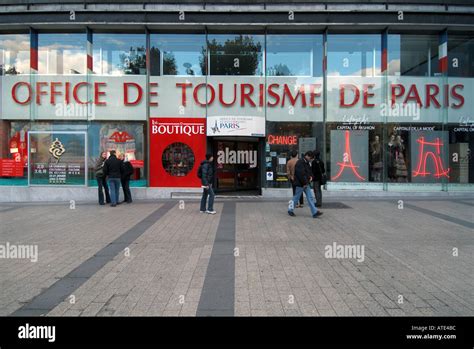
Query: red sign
283 140
244 94
137 163
11 168
347 161
177 147
120 137
423 155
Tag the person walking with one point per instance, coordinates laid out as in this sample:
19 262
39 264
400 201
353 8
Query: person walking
113 172
319 177
127 171
290 172
206 174
303 177
101 181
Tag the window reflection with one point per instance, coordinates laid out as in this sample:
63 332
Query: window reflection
119 54
236 54
354 55
294 55
61 53
14 54
178 54
413 55
461 55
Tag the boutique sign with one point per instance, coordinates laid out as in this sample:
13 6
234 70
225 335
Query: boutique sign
177 146
218 97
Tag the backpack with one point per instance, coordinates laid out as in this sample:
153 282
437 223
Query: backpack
199 171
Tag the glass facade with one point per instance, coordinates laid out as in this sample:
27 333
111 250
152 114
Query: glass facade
119 54
61 54
14 54
387 111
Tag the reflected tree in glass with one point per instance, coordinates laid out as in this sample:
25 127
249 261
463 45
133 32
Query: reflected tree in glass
238 56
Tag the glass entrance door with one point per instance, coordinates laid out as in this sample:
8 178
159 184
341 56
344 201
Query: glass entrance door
237 166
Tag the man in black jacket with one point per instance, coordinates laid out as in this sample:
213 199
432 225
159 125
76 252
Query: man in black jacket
127 171
319 173
113 172
206 173
303 178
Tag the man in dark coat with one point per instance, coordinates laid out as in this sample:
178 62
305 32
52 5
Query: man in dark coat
206 172
127 171
303 178
319 173
113 172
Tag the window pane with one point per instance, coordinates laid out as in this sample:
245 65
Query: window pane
294 55
119 54
354 55
461 55
57 158
62 53
14 54
178 54
126 138
13 152
413 55
236 54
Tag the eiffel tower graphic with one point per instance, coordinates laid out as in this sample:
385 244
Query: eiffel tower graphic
423 157
347 156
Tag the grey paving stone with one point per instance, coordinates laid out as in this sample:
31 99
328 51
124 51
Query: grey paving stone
407 252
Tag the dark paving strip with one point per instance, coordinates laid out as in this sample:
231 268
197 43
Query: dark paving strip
47 300
334 204
464 202
455 220
218 292
10 209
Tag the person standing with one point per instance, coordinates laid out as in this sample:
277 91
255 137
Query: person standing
303 177
319 176
113 172
206 173
290 172
127 171
101 181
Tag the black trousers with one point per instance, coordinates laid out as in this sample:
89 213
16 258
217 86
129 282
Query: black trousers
127 194
294 191
103 186
318 194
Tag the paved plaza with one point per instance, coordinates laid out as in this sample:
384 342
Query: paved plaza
415 257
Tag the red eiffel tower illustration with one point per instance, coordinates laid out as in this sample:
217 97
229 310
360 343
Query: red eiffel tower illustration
343 165
423 157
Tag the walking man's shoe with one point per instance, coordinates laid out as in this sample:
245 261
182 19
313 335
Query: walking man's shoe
211 212
291 213
202 211
317 214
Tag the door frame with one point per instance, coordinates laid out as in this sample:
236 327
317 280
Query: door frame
212 143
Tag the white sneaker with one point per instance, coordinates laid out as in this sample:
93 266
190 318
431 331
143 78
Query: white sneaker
211 212
202 211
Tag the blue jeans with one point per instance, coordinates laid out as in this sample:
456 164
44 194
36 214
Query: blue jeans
114 185
309 198
207 192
